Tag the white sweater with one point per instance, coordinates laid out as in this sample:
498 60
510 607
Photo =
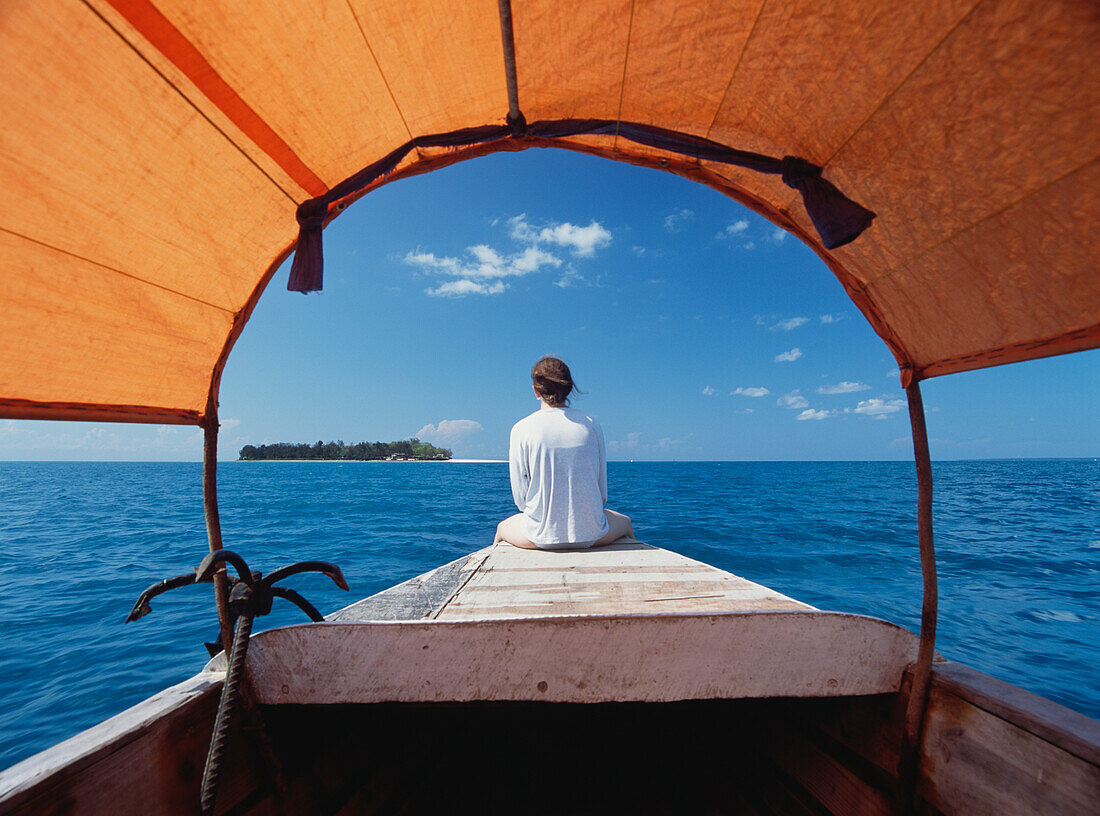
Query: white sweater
558 466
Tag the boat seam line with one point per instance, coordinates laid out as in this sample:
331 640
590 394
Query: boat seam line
622 79
736 68
903 82
118 271
381 73
459 589
975 224
190 102
886 100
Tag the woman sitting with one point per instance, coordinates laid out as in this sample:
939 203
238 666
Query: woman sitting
557 462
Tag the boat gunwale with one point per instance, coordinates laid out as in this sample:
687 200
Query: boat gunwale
86 748
218 662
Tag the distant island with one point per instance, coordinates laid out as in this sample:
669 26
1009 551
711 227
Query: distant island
407 450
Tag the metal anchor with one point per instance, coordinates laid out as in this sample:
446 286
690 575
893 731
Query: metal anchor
250 596
258 591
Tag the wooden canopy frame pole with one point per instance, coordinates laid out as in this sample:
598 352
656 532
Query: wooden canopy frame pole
213 521
508 43
922 671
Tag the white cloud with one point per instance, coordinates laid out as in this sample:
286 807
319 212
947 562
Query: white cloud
481 272
571 277
709 392
461 288
581 241
790 323
673 221
488 264
845 387
810 413
777 235
789 356
448 431
894 374
530 260
428 261
794 399
751 391
743 411
749 245
830 318
486 256
226 424
875 407
736 228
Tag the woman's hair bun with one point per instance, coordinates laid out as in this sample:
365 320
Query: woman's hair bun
553 381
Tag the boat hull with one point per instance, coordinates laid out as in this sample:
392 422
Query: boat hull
988 748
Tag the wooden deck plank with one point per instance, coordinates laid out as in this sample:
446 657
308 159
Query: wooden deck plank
625 578
419 598
502 582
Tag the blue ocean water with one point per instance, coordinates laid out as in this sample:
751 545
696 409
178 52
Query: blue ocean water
1018 543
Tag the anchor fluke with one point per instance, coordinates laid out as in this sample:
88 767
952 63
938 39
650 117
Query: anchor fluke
141 605
205 571
323 567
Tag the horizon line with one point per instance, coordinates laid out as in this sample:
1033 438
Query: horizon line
470 460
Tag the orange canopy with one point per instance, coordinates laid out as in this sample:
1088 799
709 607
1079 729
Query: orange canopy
153 154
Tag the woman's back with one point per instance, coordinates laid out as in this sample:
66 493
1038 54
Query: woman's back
559 477
558 467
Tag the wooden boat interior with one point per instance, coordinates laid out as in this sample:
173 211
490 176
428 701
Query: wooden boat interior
501 678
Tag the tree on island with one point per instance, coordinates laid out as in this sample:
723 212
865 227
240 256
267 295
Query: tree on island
362 451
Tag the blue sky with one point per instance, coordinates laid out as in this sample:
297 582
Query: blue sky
697 330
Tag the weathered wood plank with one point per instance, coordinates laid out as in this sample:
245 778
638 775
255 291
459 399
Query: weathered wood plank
69 758
869 727
624 578
588 659
148 759
836 786
629 577
1061 726
975 762
416 599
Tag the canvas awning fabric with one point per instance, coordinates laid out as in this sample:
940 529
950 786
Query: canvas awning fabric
154 155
